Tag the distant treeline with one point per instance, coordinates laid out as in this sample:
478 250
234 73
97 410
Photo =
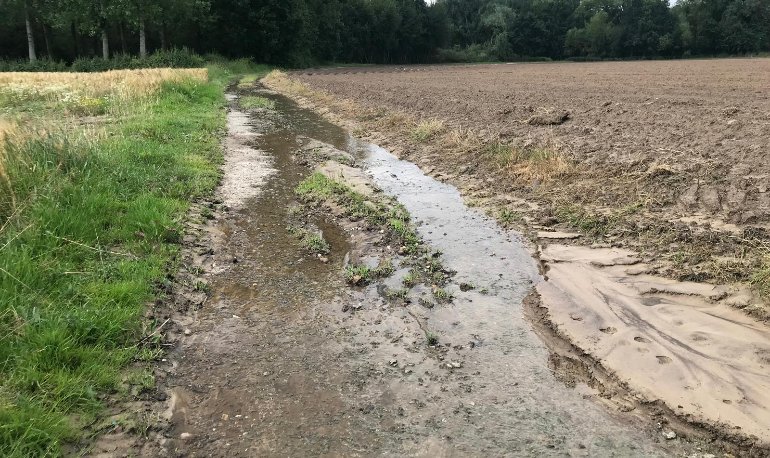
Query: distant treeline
308 32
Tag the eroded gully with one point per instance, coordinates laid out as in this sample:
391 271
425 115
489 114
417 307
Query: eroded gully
273 366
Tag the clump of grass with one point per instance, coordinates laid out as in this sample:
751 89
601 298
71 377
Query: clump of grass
441 295
251 102
431 338
588 223
411 278
315 243
358 274
318 188
507 216
530 163
760 279
397 294
426 130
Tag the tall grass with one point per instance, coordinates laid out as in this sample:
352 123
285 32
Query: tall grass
95 224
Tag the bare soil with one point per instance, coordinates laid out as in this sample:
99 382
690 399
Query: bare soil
656 322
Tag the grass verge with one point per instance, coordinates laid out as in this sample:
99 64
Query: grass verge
92 231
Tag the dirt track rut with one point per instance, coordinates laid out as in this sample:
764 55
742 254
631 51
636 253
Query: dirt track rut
284 359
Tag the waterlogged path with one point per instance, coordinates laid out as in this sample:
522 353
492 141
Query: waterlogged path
284 359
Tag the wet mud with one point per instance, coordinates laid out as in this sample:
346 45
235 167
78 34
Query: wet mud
277 355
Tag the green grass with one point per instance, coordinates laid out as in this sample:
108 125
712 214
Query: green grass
318 188
358 274
315 243
251 102
96 226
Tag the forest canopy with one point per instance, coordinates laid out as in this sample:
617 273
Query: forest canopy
309 32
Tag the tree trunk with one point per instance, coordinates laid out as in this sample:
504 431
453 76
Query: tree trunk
47 42
105 44
123 38
142 39
75 40
30 34
163 43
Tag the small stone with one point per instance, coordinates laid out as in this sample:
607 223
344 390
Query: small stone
393 362
454 365
187 332
324 259
670 435
265 373
185 436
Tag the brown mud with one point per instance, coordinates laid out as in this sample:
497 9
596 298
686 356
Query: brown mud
684 384
276 355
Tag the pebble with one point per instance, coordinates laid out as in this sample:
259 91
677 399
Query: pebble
670 435
185 436
187 332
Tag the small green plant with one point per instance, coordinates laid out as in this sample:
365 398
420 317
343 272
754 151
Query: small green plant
431 338
358 274
441 295
201 286
411 278
207 213
251 102
384 269
508 216
315 243
400 293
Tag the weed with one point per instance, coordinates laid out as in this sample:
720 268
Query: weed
201 286
508 216
431 338
315 243
384 269
358 274
426 130
588 223
207 213
411 278
400 293
253 102
441 295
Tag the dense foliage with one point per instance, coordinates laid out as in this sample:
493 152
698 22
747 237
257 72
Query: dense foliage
306 32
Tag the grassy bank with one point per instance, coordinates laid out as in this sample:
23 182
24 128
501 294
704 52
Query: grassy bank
93 191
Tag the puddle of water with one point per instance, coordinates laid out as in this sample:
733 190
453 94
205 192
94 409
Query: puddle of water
509 357
267 250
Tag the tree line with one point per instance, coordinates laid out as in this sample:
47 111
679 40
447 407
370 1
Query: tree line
307 32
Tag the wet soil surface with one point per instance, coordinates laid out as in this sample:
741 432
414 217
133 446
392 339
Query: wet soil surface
281 358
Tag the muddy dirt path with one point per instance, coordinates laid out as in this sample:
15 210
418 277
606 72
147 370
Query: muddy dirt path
284 359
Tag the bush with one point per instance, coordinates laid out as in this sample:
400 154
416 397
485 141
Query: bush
472 53
41 65
174 58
